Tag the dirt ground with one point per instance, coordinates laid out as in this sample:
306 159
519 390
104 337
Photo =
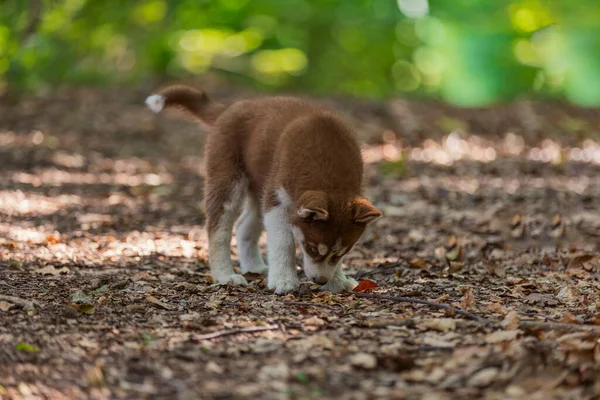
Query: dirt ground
105 291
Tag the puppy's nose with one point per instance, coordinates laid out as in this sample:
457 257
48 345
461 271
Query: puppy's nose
321 280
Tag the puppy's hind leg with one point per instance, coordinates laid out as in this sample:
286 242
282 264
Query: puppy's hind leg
247 230
223 201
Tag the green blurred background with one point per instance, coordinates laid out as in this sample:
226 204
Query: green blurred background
465 52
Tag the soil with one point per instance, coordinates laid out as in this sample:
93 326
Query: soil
105 289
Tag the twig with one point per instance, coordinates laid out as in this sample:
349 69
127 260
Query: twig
419 301
409 323
380 268
551 326
249 329
310 304
534 314
559 326
493 324
26 304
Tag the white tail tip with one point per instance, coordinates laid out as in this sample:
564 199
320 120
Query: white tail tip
155 102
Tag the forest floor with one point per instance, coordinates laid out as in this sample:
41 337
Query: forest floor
105 289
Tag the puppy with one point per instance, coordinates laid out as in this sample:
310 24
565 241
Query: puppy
294 168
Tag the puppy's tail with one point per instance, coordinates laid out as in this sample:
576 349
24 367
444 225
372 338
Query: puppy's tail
194 102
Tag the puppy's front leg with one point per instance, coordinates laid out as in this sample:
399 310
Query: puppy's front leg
339 282
281 251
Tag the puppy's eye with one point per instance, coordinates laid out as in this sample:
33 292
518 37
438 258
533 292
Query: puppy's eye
313 250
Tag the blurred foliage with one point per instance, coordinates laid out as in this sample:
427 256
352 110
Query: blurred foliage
467 52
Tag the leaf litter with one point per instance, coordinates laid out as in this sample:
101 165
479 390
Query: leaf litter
482 277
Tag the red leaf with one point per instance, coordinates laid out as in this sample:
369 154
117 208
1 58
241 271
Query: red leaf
365 285
51 239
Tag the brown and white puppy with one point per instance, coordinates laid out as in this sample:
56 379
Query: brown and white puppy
293 167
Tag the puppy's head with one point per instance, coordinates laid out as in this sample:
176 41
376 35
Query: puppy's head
327 227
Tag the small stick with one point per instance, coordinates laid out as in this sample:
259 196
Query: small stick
26 304
419 301
290 303
381 268
310 304
559 326
249 329
551 326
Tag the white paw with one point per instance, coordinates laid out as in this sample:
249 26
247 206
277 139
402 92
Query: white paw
283 286
233 279
340 285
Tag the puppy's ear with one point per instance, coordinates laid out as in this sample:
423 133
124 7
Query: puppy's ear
364 211
312 204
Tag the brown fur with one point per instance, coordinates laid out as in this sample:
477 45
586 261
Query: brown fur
283 142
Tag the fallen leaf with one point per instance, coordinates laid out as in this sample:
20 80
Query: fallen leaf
363 360
455 255
80 297
418 263
567 294
484 377
365 285
95 376
156 302
541 299
51 270
27 348
511 320
502 336
495 268
51 239
568 318
468 301
214 368
314 321
5 305
579 260
455 266
496 308
252 276
440 324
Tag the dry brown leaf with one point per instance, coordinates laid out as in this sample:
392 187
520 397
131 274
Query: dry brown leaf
95 376
252 276
579 260
314 321
363 360
440 324
52 270
568 318
541 299
468 301
443 298
418 263
494 268
496 308
578 341
484 377
156 302
455 266
51 239
502 336
5 305
511 320
455 255
567 294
